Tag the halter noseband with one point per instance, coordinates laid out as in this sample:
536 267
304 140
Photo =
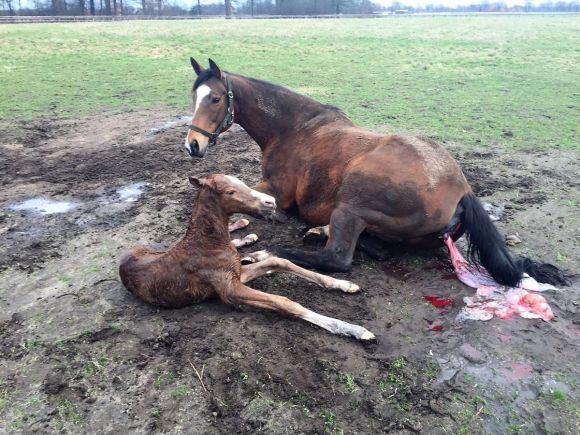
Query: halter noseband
227 121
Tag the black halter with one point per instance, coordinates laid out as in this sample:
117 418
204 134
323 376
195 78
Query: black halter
228 119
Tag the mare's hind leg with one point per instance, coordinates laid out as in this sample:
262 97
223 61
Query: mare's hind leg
274 264
344 231
248 296
317 234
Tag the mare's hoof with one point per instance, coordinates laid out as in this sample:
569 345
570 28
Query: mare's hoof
315 235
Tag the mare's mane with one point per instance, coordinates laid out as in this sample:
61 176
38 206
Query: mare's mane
208 74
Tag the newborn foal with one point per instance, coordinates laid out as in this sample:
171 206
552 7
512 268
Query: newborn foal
205 264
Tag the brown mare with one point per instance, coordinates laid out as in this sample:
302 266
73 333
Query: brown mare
402 189
205 264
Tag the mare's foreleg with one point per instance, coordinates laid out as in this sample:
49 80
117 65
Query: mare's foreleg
274 264
279 304
344 231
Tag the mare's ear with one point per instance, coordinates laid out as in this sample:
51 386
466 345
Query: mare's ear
198 182
196 66
215 69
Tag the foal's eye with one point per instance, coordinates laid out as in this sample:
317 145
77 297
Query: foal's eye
215 100
231 192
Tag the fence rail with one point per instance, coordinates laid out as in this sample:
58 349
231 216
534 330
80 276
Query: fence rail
15 19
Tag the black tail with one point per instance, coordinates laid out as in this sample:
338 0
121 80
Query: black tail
487 248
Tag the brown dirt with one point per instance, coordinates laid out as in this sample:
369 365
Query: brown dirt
80 354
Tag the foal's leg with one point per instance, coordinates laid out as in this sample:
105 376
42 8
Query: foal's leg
238 225
274 264
248 296
250 239
344 230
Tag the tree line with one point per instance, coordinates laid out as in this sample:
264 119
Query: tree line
259 7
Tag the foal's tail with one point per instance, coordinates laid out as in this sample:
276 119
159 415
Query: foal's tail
487 248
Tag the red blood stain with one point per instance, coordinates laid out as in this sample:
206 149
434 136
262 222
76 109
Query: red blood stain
438 302
436 327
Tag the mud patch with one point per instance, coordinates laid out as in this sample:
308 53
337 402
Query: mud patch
80 354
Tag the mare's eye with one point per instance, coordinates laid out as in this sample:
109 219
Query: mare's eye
215 100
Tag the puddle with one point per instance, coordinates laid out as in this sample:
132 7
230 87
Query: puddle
115 197
177 120
44 206
495 212
132 192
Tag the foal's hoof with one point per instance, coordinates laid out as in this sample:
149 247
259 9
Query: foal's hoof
347 286
367 336
255 257
238 225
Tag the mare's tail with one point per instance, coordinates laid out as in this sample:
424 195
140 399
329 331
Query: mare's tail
487 248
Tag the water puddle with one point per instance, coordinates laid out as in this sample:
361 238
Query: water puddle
177 120
44 206
495 212
132 192
114 200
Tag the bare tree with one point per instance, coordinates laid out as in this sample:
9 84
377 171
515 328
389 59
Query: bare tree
228 5
10 8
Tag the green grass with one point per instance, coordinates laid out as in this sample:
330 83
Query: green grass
475 80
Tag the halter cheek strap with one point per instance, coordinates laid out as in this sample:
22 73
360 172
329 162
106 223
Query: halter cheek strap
227 121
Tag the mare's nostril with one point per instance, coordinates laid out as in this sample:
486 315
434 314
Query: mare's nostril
194 146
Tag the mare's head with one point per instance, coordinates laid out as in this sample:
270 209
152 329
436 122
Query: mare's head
213 108
235 197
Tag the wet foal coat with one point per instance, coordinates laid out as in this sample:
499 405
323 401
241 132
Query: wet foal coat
205 264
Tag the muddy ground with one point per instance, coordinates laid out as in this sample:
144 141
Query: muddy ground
79 354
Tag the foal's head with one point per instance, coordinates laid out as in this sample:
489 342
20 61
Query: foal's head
212 108
235 197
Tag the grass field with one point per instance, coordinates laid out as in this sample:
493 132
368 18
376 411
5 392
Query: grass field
475 80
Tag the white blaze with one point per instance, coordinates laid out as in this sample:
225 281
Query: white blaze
201 92
264 199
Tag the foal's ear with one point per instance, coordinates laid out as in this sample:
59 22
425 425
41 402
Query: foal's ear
198 182
196 66
215 69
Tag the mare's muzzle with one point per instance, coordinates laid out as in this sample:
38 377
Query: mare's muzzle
194 151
